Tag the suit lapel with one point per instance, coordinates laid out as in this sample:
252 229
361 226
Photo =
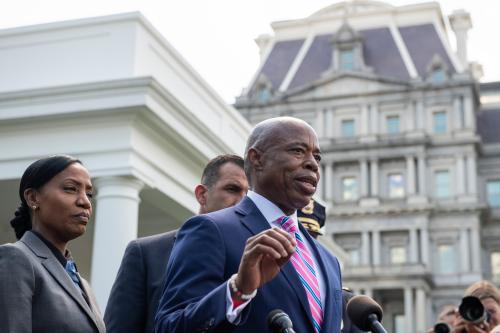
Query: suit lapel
255 222
54 267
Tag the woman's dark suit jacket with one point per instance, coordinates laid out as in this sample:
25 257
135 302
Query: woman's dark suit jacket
38 296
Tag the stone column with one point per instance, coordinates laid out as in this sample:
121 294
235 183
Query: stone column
376 247
421 311
420 113
364 178
413 246
319 188
457 112
374 119
410 175
471 175
422 176
410 120
408 302
460 175
328 183
365 248
329 128
365 122
374 178
476 250
424 246
464 250
116 224
468 112
320 123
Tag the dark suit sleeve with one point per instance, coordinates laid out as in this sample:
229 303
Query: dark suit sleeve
17 286
194 299
126 309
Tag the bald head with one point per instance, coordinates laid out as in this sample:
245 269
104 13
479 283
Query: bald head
282 162
269 132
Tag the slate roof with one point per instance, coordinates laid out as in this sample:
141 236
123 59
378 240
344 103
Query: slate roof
488 125
380 53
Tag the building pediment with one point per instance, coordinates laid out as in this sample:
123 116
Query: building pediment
345 84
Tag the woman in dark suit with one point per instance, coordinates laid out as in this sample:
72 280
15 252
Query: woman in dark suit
40 288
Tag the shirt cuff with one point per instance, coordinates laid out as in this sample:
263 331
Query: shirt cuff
233 314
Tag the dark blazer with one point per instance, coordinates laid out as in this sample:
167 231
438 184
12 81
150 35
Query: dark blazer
347 325
38 296
139 284
208 251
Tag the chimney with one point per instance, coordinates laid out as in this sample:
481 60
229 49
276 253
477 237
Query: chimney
461 22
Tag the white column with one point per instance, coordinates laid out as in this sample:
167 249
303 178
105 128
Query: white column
410 175
468 112
376 247
419 108
374 118
421 310
364 120
413 245
319 186
460 175
365 248
320 123
476 250
471 175
424 246
457 112
329 125
116 224
410 120
408 301
328 183
464 250
374 177
364 178
422 176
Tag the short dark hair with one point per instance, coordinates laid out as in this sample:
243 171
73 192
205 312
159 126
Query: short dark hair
211 175
35 176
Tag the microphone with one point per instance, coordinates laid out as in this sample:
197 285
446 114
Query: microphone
279 322
365 313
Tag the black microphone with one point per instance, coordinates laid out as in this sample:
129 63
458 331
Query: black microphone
279 322
365 313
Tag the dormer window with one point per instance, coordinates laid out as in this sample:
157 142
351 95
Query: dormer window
263 92
346 60
437 71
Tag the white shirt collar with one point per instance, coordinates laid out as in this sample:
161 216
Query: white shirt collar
270 211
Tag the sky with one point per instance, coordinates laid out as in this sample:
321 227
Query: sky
217 37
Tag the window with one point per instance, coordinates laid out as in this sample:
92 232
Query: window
438 75
349 188
399 323
447 262
348 129
354 257
493 193
392 124
346 60
495 264
396 185
442 184
264 94
397 255
440 122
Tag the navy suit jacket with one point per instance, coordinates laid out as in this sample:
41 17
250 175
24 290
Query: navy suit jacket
139 284
207 252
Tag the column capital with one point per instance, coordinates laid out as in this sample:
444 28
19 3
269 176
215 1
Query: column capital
118 186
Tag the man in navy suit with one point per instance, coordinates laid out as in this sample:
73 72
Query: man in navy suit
139 283
242 260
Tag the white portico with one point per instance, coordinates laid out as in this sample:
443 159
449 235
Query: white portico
114 93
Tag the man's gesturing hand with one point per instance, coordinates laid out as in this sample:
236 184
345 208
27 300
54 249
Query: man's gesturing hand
263 256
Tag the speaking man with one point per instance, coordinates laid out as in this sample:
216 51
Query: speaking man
138 286
250 259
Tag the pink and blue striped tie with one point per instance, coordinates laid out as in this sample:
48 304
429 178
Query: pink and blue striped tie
304 265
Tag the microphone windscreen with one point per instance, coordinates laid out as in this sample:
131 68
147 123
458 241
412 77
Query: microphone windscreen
360 307
278 320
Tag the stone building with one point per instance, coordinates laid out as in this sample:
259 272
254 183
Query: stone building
411 159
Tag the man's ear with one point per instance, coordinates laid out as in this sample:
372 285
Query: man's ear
200 192
255 159
31 197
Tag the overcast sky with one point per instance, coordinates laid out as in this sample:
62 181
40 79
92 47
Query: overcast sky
217 37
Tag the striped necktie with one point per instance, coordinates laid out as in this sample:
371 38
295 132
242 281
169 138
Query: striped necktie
304 265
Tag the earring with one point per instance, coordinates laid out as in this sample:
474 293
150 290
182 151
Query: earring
34 207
